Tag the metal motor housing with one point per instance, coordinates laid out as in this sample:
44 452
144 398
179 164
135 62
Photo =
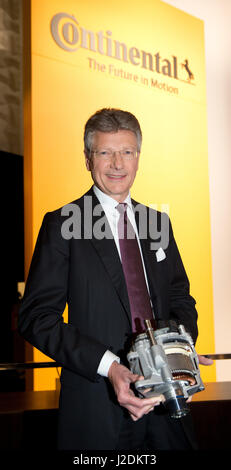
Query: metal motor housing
167 360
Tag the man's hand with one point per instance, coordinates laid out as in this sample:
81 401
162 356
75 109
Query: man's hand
205 361
121 378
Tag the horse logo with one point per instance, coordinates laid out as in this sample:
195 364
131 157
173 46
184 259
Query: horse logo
189 72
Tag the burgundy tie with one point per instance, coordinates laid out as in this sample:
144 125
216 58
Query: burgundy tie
139 299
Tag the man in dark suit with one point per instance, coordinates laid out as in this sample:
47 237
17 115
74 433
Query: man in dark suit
77 260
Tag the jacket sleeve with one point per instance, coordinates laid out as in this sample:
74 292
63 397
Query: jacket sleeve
46 294
182 304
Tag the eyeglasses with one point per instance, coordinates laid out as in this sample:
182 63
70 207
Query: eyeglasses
126 154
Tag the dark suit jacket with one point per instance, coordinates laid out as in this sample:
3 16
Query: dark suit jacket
87 274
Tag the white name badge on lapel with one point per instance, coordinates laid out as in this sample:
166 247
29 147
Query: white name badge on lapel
160 255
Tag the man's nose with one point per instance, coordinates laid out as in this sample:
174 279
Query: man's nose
117 160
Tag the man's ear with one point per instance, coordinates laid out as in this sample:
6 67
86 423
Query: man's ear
138 160
87 161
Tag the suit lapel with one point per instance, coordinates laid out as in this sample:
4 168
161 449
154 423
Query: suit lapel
107 251
150 261
152 275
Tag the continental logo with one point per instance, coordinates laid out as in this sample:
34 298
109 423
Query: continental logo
70 36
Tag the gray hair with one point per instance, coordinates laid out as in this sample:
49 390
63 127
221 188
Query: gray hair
111 120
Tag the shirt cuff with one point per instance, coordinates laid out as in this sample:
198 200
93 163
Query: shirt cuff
106 362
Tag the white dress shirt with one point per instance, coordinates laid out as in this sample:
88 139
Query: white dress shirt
109 206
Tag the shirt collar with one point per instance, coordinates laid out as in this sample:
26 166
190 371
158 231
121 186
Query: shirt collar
108 201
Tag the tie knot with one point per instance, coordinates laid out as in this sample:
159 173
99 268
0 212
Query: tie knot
122 207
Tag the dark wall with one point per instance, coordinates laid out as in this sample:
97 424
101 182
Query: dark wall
12 257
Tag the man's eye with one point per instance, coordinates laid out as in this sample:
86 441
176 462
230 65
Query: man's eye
127 153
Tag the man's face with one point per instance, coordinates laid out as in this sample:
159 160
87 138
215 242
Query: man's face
114 176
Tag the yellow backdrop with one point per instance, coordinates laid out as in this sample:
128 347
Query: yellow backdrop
146 57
